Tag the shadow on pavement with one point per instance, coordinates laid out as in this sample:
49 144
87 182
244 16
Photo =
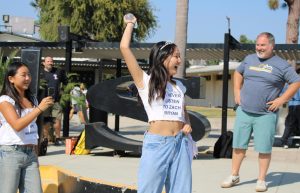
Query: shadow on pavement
282 178
274 179
55 152
204 156
116 154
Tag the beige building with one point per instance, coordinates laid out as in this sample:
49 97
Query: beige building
213 76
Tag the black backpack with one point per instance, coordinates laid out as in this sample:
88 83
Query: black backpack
223 146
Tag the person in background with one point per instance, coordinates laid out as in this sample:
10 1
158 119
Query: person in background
19 109
75 95
77 104
167 147
292 120
266 74
83 89
54 78
85 107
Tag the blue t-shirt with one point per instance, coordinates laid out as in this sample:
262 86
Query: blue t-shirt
295 100
263 81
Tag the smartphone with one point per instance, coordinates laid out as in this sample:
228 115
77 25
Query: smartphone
51 91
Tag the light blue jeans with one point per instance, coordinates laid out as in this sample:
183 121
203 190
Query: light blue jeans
19 170
165 161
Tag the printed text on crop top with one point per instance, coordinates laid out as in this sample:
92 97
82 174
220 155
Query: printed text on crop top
171 108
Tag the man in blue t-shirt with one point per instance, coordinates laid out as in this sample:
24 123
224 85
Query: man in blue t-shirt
258 82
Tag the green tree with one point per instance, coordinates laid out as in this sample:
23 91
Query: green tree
245 40
292 26
100 20
182 7
65 93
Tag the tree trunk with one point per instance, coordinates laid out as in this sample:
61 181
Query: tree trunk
292 28
181 33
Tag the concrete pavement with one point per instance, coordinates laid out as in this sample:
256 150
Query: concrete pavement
208 172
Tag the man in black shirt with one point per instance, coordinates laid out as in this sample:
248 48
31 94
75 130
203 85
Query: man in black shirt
54 78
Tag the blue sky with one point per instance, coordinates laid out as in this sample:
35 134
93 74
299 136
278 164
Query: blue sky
207 19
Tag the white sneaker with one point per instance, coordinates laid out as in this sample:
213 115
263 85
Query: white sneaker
285 147
230 181
261 186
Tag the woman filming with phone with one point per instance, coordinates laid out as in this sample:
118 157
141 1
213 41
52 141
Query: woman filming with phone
19 110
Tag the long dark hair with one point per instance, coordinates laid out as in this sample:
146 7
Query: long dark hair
9 89
159 74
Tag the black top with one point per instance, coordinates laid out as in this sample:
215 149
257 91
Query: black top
54 78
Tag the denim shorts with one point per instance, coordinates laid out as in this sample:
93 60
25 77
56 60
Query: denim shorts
165 161
263 127
19 165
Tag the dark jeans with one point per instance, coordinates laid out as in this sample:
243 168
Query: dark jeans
292 123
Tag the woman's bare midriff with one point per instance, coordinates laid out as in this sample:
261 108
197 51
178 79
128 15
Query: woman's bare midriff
165 128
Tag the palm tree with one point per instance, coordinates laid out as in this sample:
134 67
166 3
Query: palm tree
292 27
181 33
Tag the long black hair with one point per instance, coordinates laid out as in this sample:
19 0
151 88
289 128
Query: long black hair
9 89
159 74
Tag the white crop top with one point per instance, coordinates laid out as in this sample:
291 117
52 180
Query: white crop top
171 108
9 136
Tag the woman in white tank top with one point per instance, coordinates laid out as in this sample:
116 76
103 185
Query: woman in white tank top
166 156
